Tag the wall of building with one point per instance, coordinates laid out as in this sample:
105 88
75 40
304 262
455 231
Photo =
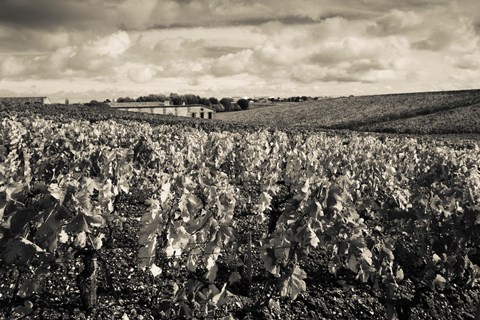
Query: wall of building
191 111
138 104
11 101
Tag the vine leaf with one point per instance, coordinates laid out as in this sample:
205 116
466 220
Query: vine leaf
234 277
189 205
81 239
165 193
147 253
57 192
155 270
293 285
220 298
13 189
439 282
98 241
312 237
367 255
20 251
63 237
269 261
211 274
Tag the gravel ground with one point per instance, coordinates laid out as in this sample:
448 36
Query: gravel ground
140 296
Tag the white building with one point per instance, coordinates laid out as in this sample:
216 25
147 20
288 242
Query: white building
191 111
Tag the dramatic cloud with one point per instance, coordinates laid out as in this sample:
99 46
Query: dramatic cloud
99 49
396 22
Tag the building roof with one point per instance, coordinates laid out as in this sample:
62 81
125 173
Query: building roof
25 100
136 103
141 105
1 98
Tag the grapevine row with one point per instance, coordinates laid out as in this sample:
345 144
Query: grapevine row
384 208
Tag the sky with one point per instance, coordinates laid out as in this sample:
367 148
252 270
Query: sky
104 49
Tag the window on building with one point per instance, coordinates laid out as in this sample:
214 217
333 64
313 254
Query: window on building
193 115
210 115
202 115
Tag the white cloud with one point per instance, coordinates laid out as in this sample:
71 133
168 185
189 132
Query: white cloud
232 64
142 74
395 22
11 67
273 46
468 61
112 45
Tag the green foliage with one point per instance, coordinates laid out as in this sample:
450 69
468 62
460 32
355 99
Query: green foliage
177 100
205 102
126 99
243 103
213 100
235 107
384 209
150 98
95 103
226 103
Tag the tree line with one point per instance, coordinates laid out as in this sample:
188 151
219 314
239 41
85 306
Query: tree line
224 104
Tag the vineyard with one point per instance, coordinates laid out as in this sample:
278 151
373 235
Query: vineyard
418 113
136 220
465 120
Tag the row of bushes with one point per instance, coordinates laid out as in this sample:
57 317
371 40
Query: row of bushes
225 104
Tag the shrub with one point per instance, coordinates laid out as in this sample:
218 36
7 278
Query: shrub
226 103
243 103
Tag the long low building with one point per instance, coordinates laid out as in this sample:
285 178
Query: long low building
192 110
7 101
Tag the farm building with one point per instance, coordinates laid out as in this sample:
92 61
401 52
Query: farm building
9 101
192 110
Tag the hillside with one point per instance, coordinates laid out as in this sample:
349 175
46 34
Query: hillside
386 113
464 120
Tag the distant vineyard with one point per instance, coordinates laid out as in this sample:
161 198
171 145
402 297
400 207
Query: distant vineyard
459 120
369 113
387 210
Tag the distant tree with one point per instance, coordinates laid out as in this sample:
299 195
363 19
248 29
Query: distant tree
235 107
226 103
191 98
243 103
213 100
158 97
128 99
67 102
95 103
177 100
205 102
218 107
120 99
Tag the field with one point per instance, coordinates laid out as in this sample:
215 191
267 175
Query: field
113 214
397 113
464 120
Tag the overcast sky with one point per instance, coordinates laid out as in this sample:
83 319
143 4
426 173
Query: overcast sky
98 49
